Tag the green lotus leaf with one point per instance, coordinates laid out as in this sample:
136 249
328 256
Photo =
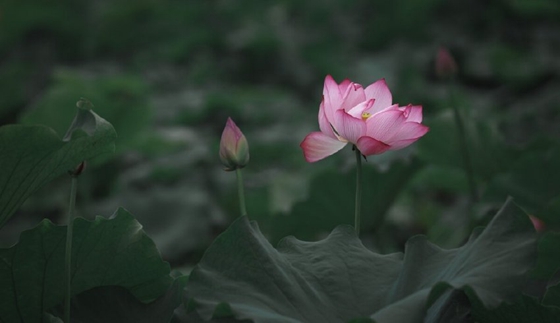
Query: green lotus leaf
105 252
31 156
337 279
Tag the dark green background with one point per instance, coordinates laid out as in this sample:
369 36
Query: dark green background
167 74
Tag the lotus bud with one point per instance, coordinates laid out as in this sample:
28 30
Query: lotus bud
234 149
446 67
539 225
78 169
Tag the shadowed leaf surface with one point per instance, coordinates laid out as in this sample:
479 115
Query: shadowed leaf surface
104 252
115 304
548 261
525 309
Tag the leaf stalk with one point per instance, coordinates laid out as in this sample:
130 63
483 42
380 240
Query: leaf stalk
68 252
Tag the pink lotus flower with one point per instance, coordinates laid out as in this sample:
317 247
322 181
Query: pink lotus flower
364 117
234 149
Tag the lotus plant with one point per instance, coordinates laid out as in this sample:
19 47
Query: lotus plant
74 173
234 154
365 118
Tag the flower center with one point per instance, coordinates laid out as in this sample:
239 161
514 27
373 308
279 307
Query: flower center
365 115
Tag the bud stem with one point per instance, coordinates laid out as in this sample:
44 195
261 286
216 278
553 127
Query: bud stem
358 191
467 162
241 192
68 256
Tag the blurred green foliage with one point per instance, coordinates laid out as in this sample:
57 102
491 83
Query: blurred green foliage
168 73
122 100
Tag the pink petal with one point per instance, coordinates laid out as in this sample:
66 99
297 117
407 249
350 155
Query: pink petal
380 92
413 113
362 107
331 92
234 149
332 97
394 107
384 125
369 146
353 96
350 128
317 146
396 145
409 130
231 135
324 123
344 85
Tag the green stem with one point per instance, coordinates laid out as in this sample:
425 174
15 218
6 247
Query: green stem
241 192
467 164
68 256
358 191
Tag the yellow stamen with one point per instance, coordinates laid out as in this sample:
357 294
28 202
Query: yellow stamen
365 115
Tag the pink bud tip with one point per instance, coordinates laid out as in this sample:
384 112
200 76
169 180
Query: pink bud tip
537 223
234 149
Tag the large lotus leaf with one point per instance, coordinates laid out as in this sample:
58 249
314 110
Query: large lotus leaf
552 296
31 156
332 195
104 252
107 304
337 279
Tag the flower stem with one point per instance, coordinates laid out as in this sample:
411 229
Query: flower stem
467 163
241 192
68 256
358 191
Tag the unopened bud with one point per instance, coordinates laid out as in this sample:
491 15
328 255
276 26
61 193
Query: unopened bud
234 149
537 223
78 169
446 67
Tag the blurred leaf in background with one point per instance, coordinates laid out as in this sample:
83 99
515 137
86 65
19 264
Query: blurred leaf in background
330 202
120 99
167 74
